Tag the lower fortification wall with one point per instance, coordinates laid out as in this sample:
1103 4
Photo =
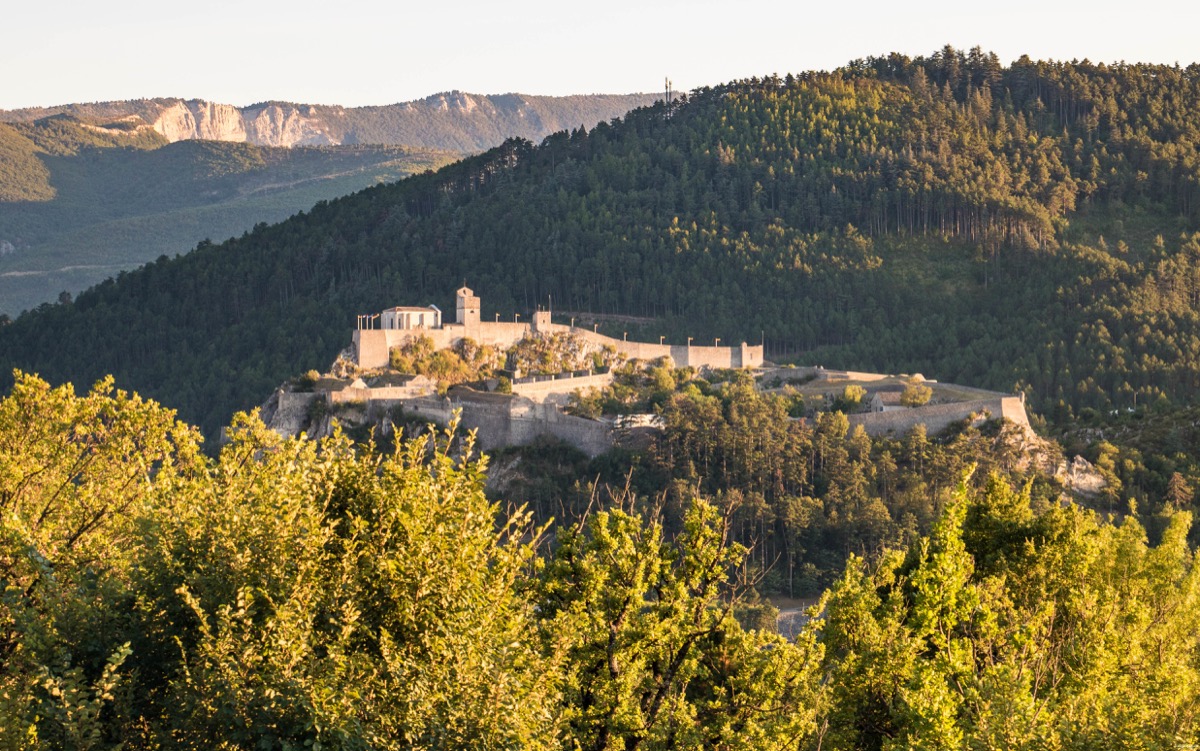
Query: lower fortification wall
938 417
291 411
529 422
384 393
515 422
848 375
541 388
498 420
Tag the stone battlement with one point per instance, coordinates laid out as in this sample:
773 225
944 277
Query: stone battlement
372 346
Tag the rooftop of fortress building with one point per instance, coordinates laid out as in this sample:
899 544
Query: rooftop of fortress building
410 309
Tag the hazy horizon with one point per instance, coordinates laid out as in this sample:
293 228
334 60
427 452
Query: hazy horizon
372 54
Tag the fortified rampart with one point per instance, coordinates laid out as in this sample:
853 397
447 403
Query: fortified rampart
938 417
290 413
847 375
539 388
352 394
499 419
372 346
502 420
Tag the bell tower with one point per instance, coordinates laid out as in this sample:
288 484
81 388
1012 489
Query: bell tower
467 307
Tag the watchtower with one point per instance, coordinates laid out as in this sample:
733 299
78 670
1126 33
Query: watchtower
467 308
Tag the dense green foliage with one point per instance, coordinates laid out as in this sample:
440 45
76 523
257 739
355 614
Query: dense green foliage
23 177
803 494
81 202
292 594
1012 227
1005 629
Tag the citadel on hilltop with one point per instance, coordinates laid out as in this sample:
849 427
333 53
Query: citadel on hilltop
377 334
370 390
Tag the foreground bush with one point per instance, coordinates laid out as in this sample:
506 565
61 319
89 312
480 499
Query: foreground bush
293 594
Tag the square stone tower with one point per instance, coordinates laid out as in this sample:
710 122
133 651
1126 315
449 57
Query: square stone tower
467 312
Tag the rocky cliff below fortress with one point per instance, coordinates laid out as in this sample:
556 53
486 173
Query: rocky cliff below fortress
453 120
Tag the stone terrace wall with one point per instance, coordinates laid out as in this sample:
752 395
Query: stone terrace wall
291 411
527 422
937 417
372 347
515 421
383 393
545 386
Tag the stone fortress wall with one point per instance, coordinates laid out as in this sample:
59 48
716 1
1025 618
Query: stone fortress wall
360 392
938 417
501 420
533 409
542 388
372 346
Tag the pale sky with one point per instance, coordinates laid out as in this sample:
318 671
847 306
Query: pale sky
357 52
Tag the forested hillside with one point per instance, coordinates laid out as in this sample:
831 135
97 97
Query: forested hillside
80 202
1028 227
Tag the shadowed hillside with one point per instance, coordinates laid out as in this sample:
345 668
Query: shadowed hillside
80 202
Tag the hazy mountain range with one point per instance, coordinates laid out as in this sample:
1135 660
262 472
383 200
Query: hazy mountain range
87 190
452 120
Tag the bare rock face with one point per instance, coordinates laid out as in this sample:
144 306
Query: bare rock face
287 125
218 122
194 119
1080 476
176 123
263 125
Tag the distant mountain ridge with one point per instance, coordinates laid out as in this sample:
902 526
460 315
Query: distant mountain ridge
87 190
83 200
452 120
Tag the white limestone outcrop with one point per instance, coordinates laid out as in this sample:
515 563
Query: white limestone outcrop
198 119
263 125
287 125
